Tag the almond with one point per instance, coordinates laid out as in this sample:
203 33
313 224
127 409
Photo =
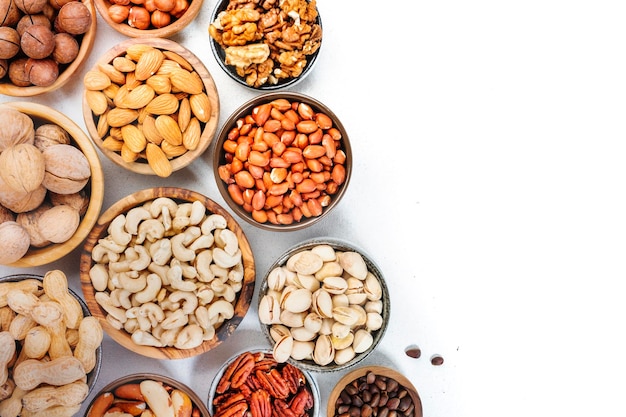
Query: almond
160 83
200 106
185 81
96 80
158 160
139 97
179 59
134 52
191 135
172 151
118 117
167 66
103 125
148 64
123 64
169 130
97 101
184 113
133 138
150 131
163 104
114 75
127 155
112 144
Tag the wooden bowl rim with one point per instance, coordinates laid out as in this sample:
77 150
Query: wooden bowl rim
68 73
53 252
138 377
210 127
165 32
378 370
244 297
245 109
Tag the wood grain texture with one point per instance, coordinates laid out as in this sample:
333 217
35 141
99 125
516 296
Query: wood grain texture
244 297
378 370
94 188
66 74
208 131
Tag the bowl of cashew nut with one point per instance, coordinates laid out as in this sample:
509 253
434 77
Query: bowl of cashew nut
50 346
168 272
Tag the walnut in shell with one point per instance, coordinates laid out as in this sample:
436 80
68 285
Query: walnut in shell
59 223
22 167
30 222
14 242
67 169
15 127
19 202
50 134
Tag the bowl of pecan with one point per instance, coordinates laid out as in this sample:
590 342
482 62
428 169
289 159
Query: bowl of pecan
266 45
146 394
323 305
43 43
254 383
282 161
150 106
148 19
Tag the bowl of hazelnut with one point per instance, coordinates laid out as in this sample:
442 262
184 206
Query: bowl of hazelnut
275 47
282 161
150 105
148 18
323 305
43 43
168 272
51 185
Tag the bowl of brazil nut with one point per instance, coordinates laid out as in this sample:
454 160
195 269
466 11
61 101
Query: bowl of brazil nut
266 46
253 382
43 43
323 305
168 272
46 376
282 161
374 391
51 184
139 393
150 105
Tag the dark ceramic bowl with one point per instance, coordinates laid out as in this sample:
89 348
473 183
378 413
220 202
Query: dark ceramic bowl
288 214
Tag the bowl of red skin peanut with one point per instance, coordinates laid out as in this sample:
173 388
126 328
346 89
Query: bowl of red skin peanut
282 161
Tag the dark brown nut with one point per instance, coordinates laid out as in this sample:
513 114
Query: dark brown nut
9 42
31 6
37 41
32 19
57 4
42 72
66 48
74 17
9 13
17 72
436 360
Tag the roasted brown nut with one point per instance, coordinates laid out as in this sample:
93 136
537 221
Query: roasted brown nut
42 72
74 17
17 72
66 48
37 41
4 67
9 13
32 19
9 42
31 6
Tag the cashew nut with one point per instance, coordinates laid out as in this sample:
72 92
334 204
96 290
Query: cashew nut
151 230
104 300
131 281
153 286
143 259
153 312
175 277
99 277
189 337
120 297
179 251
135 216
227 240
175 319
110 244
202 242
198 211
203 266
236 273
212 222
146 339
161 251
225 260
101 254
118 232
221 310
190 300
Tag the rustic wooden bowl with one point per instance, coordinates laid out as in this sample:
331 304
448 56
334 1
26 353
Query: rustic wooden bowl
165 32
378 370
138 198
66 72
95 187
209 128
340 246
139 377
220 159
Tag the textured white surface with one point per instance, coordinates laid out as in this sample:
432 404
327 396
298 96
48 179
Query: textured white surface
488 186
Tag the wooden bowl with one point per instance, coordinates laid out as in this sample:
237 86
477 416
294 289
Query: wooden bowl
339 246
152 32
94 188
66 71
168 382
179 195
377 370
222 159
208 128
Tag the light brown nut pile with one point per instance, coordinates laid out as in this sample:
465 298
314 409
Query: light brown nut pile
322 305
284 162
144 15
148 104
268 41
48 347
43 179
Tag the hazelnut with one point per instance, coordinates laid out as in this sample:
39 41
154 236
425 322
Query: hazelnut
165 5
4 67
118 12
160 19
9 13
179 10
74 17
139 17
22 167
32 19
17 72
37 41
59 223
50 134
66 48
31 6
67 169
42 72
14 242
9 42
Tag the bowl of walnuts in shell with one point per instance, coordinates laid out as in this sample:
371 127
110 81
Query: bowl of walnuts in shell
51 185
43 43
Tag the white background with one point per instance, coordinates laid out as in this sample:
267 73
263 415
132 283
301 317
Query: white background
488 186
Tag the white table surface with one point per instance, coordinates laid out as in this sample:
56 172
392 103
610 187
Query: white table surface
488 185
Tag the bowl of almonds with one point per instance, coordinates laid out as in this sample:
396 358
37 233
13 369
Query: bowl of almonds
168 272
43 43
323 305
51 185
282 161
150 105
45 377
